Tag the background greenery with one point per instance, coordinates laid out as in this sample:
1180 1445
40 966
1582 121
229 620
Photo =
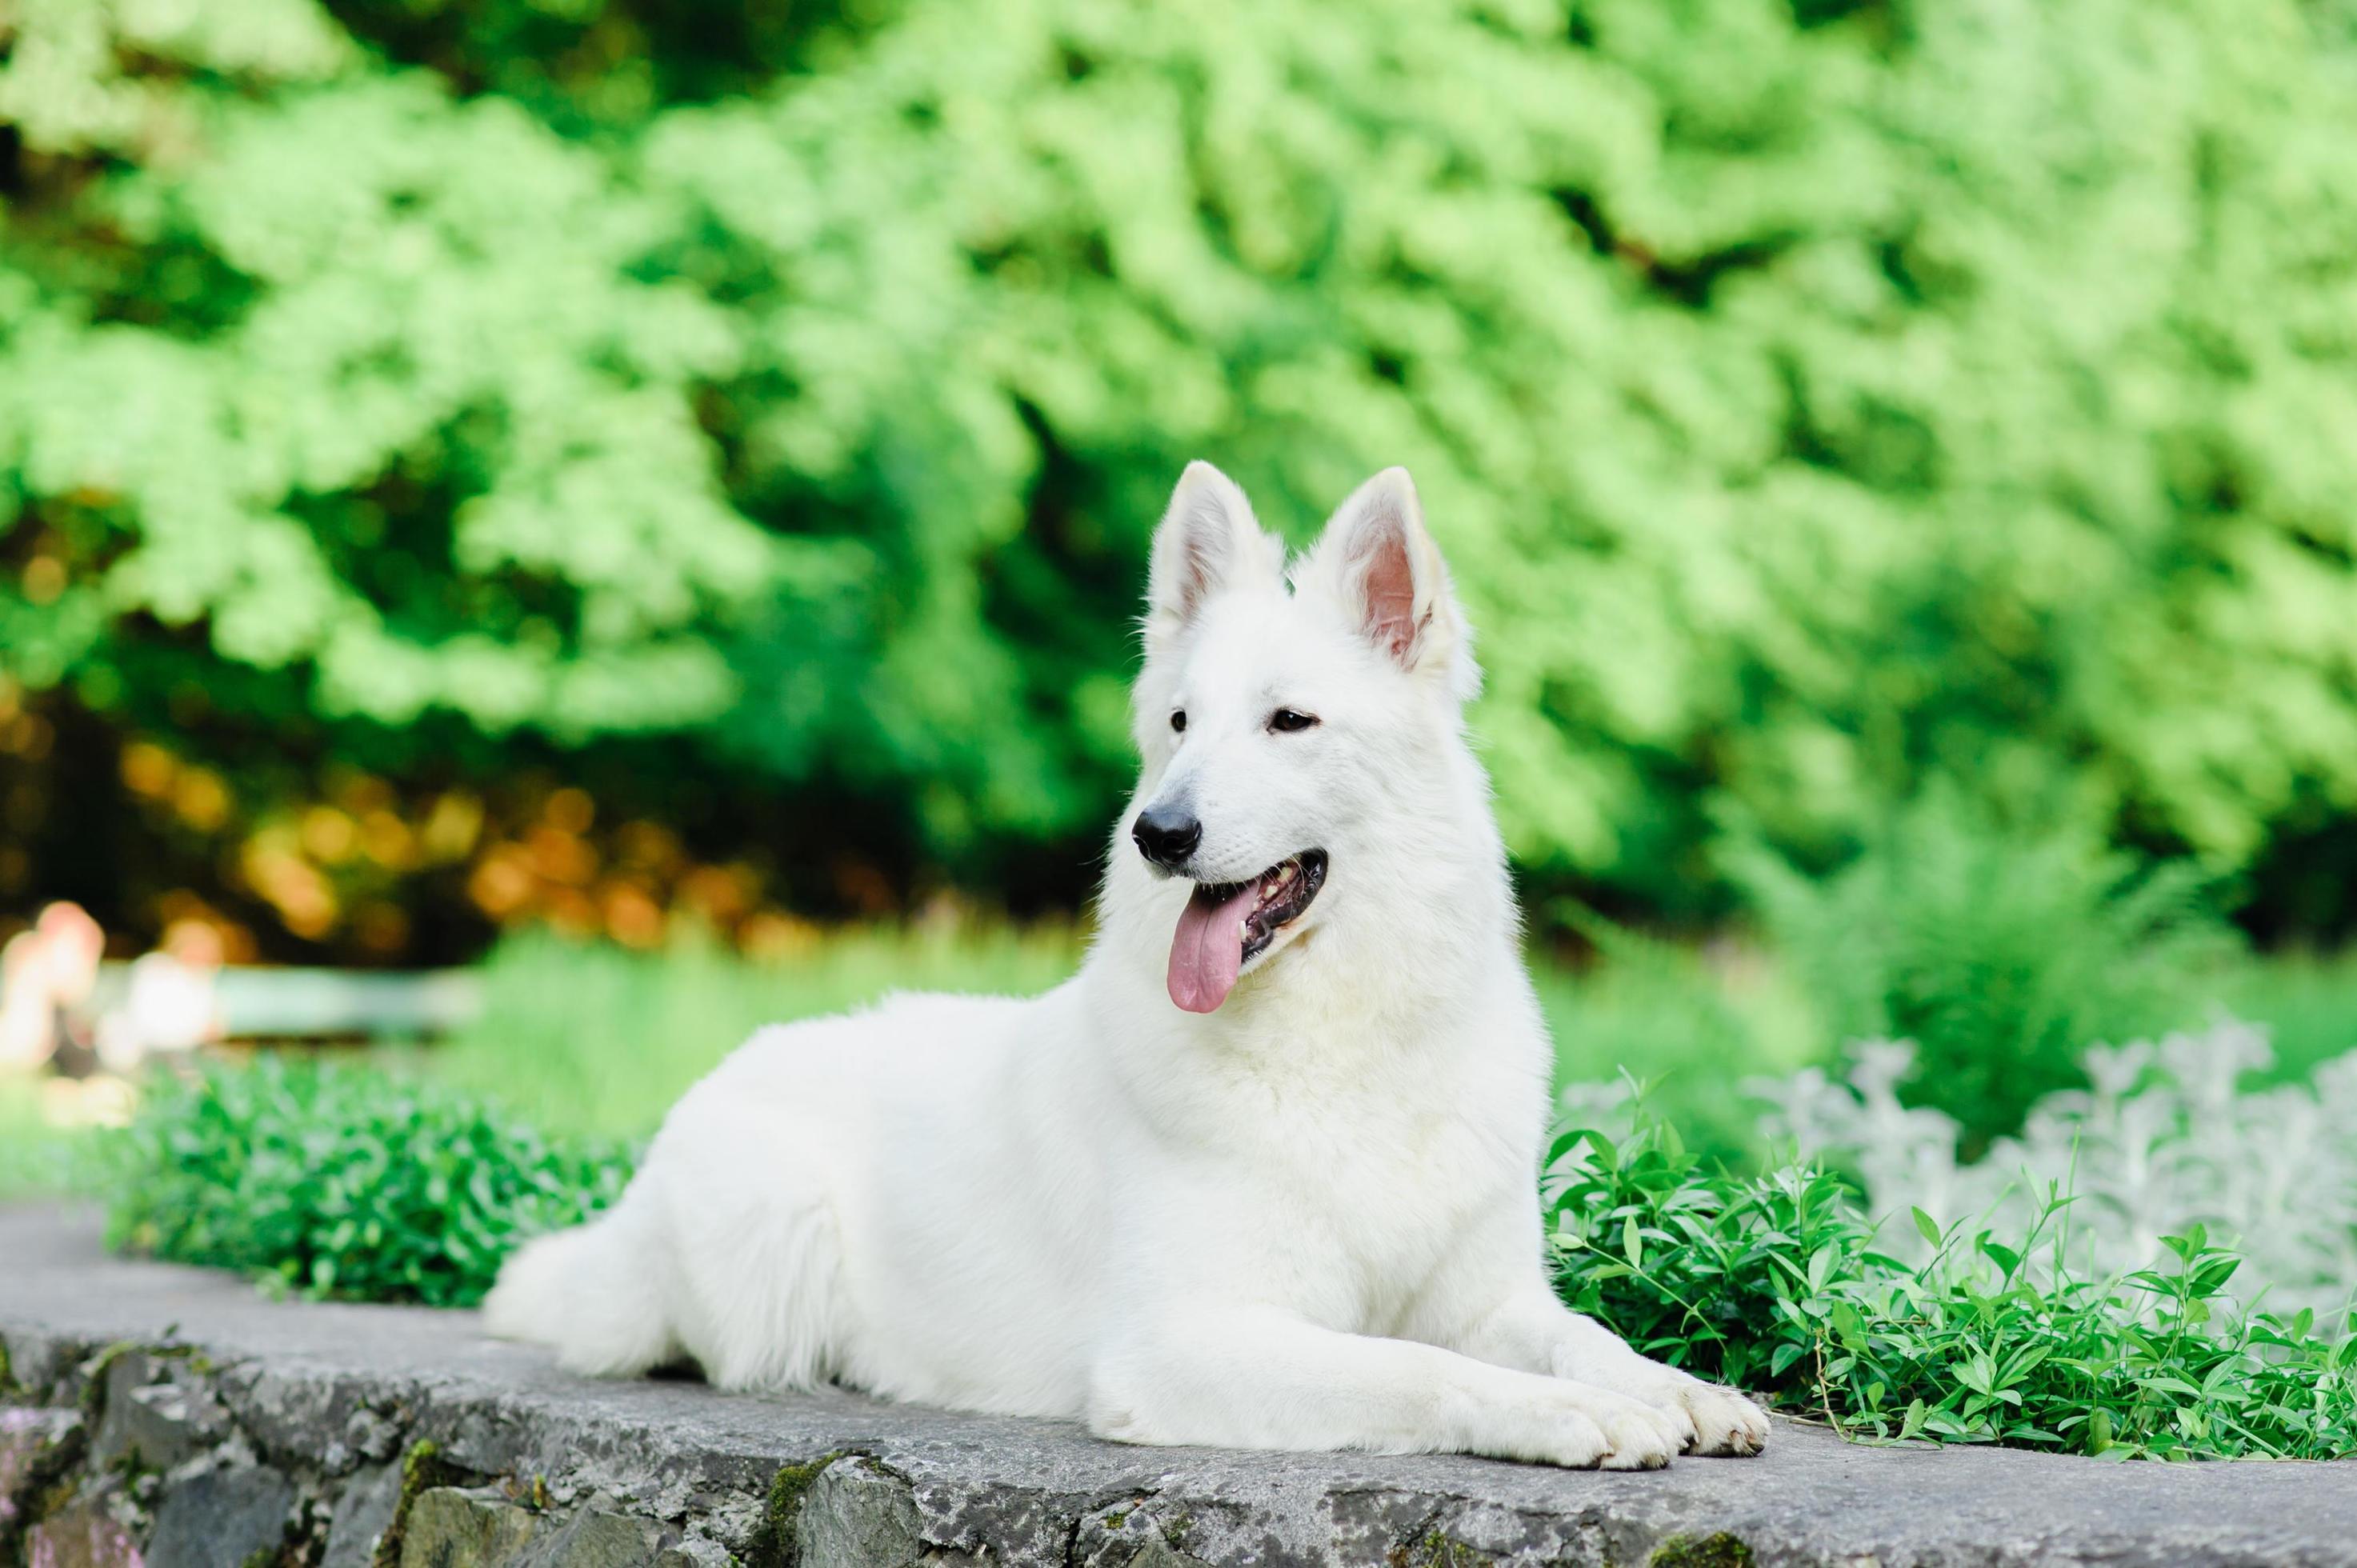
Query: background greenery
470 460
480 474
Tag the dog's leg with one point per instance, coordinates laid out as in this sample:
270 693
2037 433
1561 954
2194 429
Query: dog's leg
1258 1377
1532 1329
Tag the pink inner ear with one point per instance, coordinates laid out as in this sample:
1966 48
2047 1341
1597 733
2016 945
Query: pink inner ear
1206 551
1387 582
1198 567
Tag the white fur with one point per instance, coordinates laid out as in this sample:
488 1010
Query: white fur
1305 1220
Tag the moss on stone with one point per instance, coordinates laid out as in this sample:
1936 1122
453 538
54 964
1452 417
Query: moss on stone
774 1544
422 1469
1721 1550
94 1392
52 1497
1439 1551
130 1464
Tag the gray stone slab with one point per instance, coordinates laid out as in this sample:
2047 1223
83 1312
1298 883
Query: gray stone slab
857 1516
593 1537
361 1517
450 1527
222 1519
293 1377
157 1415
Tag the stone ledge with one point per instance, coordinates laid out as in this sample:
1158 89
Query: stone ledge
172 1416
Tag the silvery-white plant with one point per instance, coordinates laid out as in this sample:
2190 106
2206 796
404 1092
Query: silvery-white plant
2164 1138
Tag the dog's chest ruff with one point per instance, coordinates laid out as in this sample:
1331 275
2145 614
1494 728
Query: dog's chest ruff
1383 1181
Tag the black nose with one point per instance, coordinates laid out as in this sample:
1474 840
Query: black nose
1167 836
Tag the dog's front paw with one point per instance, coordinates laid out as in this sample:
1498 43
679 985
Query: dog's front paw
1710 1419
1615 1432
1722 1421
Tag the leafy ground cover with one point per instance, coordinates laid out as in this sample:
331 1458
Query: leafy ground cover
1775 1283
347 1181
336 1180
2190 1129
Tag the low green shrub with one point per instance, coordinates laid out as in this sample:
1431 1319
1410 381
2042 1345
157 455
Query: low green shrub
343 1181
1772 1283
2001 950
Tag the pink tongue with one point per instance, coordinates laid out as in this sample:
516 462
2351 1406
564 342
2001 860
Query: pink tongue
1207 949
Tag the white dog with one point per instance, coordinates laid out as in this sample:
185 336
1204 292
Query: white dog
1263 1174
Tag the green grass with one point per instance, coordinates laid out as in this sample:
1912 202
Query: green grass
595 1039
2308 1002
1691 1025
35 1159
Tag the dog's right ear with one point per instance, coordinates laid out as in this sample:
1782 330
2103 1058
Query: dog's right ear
1385 573
1209 541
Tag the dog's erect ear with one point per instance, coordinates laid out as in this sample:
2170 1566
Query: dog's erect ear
1209 541
1386 575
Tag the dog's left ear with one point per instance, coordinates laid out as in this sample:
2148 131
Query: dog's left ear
1380 565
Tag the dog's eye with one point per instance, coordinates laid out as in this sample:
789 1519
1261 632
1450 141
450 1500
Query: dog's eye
1286 721
1179 721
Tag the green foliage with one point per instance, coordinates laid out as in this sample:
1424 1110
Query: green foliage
339 1181
2001 953
1809 397
1772 1283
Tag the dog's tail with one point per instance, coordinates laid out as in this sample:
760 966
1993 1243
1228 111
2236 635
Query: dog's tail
591 1293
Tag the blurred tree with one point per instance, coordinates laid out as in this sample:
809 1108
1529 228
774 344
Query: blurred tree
1812 397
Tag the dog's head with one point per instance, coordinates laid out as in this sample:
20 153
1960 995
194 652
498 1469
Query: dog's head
1291 722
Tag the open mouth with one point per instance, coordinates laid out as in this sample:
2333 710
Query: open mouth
1226 925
